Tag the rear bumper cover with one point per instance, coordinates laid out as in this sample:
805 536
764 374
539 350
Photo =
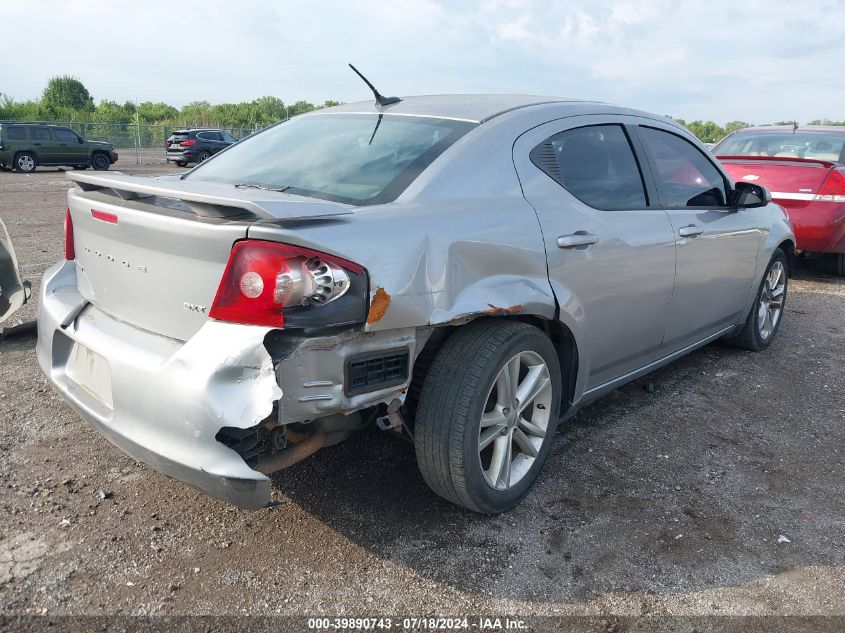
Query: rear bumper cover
819 227
163 401
181 157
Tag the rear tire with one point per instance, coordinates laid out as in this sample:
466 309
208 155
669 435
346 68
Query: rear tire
25 162
181 163
203 156
477 445
100 161
766 314
840 264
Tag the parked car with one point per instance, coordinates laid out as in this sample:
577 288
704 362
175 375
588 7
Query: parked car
196 145
465 270
25 146
804 167
14 292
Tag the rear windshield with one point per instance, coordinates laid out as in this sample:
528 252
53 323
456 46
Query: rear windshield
355 159
818 145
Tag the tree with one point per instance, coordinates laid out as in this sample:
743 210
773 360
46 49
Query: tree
66 92
733 126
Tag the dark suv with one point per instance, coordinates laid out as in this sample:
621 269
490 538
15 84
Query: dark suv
25 146
195 146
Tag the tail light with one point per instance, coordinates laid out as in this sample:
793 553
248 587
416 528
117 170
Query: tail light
833 188
70 250
167 143
187 142
280 285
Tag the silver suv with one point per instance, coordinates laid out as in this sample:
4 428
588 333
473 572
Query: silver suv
467 271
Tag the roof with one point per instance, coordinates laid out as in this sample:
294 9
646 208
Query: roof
475 108
801 128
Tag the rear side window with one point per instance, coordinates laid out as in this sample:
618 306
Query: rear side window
39 133
685 178
16 133
228 137
208 136
596 165
61 134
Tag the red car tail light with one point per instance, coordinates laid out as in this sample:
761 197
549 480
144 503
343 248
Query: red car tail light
833 188
187 142
280 285
167 143
70 250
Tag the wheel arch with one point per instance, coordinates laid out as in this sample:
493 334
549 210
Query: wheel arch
562 338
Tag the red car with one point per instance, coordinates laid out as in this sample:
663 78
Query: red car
804 168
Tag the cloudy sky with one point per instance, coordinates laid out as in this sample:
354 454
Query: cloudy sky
752 60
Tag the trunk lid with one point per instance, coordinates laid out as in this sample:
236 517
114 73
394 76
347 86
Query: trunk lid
794 182
152 252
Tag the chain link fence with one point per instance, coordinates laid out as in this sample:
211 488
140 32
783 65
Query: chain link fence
139 142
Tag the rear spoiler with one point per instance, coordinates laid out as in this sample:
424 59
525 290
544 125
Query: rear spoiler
780 159
212 199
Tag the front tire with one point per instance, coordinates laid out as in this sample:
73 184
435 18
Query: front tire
487 414
100 162
25 162
763 322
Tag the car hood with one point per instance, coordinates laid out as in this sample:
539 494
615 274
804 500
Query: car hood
101 144
13 292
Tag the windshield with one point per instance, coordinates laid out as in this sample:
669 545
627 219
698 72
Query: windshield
355 159
816 145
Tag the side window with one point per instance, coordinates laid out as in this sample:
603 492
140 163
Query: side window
16 133
63 134
216 136
685 178
202 136
596 165
39 133
228 137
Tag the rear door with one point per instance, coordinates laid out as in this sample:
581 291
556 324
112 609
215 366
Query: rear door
46 149
716 245
610 247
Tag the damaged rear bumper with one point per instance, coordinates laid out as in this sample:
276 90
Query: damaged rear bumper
160 400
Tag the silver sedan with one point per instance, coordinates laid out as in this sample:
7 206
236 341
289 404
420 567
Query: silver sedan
466 271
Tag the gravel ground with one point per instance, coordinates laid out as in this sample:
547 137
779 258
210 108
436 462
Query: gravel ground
718 490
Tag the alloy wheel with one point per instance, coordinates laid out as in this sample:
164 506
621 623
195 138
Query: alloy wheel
515 420
771 300
26 163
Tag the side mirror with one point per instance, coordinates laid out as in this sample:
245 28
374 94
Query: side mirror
748 195
80 140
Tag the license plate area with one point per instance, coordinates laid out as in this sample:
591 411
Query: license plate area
91 372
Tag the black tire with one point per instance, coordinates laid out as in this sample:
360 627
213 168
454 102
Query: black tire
840 264
181 163
80 167
100 161
457 390
203 156
25 162
752 336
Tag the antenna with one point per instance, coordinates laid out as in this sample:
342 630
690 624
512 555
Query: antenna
381 100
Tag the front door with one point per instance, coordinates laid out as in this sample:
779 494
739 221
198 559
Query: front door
716 243
71 150
610 248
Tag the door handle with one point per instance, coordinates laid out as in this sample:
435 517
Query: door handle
690 231
578 238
